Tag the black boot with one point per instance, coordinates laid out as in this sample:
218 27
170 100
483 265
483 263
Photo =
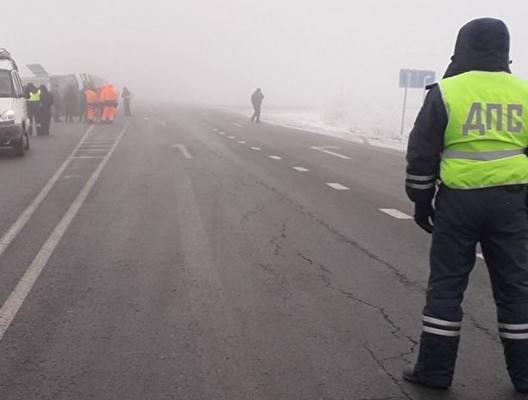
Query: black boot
436 362
410 375
516 354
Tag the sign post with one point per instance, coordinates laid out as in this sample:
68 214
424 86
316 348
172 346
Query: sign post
414 79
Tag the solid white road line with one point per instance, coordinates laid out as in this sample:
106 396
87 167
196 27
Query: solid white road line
326 149
337 186
184 150
275 157
395 213
24 286
256 148
301 169
77 157
242 141
22 220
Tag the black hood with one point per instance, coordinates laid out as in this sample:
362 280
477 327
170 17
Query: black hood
482 45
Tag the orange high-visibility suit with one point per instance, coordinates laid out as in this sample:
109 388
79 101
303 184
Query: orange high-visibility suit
110 99
90 111
100 102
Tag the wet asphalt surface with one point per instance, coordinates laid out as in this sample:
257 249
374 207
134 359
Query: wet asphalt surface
199 267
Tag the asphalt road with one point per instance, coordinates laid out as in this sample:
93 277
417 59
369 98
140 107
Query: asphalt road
184 254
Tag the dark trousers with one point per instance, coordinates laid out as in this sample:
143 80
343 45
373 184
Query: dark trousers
44 122
256 114
497 219
128 113
32 109
70 114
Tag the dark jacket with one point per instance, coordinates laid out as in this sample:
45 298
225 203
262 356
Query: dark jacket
46 100
256 98
482 45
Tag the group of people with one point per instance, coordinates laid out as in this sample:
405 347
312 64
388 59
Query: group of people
91 104
100 105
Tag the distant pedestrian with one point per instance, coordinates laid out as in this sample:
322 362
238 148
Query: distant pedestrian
256 101
71 102
44 112
33 104
91 104
82 105
56 104
126 101
110 100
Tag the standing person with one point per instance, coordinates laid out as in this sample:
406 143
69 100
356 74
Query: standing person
126 101
56 104
33 104
90 101
82 105
109 97
71 102
478 148
44 112
256 101
100 102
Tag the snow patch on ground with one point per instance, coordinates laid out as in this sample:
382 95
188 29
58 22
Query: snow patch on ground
379 127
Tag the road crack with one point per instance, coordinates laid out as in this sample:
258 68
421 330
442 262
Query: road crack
394 380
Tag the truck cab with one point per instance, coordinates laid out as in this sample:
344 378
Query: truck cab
14 122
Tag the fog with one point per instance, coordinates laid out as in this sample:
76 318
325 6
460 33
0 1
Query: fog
300 52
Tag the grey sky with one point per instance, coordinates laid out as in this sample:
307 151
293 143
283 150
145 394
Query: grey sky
298 51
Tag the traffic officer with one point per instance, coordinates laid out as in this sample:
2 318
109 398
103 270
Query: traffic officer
33 105
472 135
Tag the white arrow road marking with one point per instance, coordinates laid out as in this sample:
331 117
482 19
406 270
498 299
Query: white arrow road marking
256 148
395 213
275 157
183 149
301 169
337 186
327 150
19 294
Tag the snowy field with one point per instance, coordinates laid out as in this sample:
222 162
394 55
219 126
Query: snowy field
377 127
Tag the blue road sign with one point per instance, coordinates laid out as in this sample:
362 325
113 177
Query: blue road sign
415 78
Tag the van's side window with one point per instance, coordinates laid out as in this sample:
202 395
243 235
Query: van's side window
19 90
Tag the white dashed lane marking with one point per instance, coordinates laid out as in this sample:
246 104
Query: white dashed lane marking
301 169
395 213
215 130
275 157
327 150
221 133
231 137
242 141
256 148
337 186
239 125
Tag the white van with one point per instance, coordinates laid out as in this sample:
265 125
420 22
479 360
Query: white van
14 122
